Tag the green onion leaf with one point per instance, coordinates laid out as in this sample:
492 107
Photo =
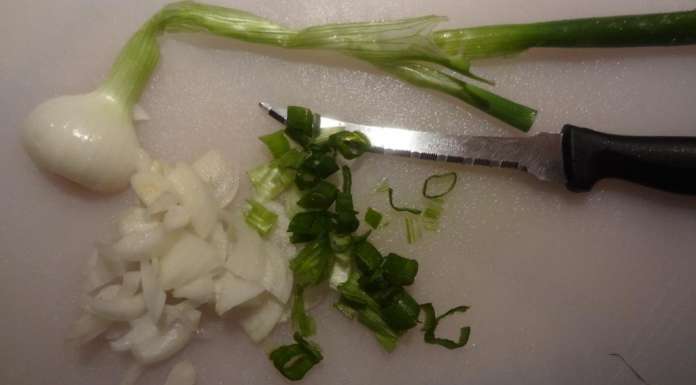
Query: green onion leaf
347 177
308 226
351 291
374 321
373 217
269 181
321 164
340 243
290 159
319 197
350 144
313 263
390 191
259 218
366 257
444 183
346 309
402 312
301 321
301 125
277 143
431 322
412 230
432 213
294 361
399 271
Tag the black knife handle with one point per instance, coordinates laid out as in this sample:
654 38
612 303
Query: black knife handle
663 162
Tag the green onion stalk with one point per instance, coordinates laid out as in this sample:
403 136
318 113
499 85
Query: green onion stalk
406 48
98 130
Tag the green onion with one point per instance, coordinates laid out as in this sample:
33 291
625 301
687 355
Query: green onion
301 321
399 271
373 217
444 184
269 181
291 159
258 217
367 257
432 213
351 291
390 191
301 125
402 312
346 216
340 243
374 321
277 143
319 197
294 361
312 264
430 324
413 232
308 226
350 144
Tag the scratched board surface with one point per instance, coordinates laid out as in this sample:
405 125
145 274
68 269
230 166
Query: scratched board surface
556 281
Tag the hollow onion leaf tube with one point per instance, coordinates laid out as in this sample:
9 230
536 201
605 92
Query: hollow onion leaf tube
657 29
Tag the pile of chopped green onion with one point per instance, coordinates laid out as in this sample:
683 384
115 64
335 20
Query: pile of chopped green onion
372 286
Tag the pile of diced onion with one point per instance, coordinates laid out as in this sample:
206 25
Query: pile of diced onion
184 247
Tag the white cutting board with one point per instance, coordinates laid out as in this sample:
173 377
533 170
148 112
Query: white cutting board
556 281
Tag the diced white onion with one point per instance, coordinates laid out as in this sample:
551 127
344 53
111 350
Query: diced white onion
176 217
87 327
119 308
219 175
180 326
153 293
259 319
149 186
199 291
135 219
231 291
191 257
196 197
141 329
277 278
163 203
246 257
138 245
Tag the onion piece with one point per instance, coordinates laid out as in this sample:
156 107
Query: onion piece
108 304
131 284
183 373
180 322
246 257
98 272
163 203
259 319
219 175
195 196
135 219
149 186
189 258
200 291
231 291
137 245
153 293
218 238
176 217
87 328
141 329
277 278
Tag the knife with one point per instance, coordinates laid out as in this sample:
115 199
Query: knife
577 157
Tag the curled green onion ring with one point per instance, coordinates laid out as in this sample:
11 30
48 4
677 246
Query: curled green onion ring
451 175
390 191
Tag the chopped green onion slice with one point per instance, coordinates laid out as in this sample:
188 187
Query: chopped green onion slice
352 291
319 197
321 164
290 159
373 217
399 271
269 181
301 321
277 143
308 226
390 191
341 243
294 361
431 214
366 257
402 312
374 321
312 264
431 322
258 217
351 144
444 183
305 180
412 229
347 178
301 125
346 309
